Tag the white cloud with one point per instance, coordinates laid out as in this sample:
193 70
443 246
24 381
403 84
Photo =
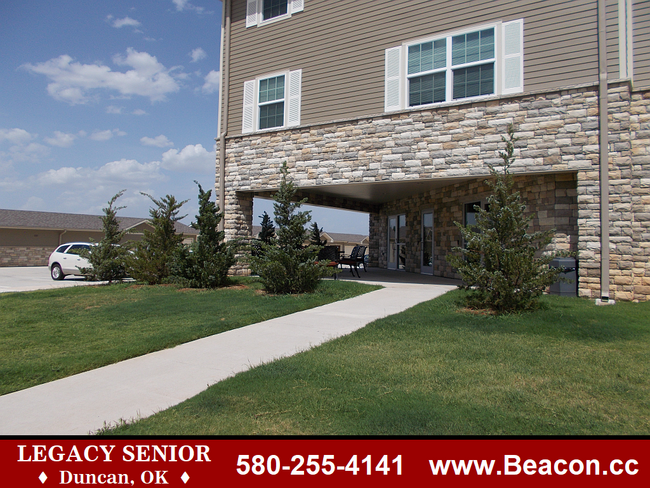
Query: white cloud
112 109
105 135
22 149
198 54
16 136
159 141
61 139
186 5
124 171
192 159
75 83
139 111
211 84
126 21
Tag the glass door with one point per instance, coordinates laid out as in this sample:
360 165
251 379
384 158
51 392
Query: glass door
396 242
427 243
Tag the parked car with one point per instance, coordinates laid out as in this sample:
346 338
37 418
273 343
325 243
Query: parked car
65 260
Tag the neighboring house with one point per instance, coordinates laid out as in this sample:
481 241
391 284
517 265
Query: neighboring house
345 242
27 238
396 108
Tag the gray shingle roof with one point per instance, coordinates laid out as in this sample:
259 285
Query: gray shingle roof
337 237
28 219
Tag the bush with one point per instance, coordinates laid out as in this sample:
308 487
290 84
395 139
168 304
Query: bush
207 261
285 265
502 265
154 255
108 258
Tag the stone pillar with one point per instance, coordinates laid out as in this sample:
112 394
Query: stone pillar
238 217
377 243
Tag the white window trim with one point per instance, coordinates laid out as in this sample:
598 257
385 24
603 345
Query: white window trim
291 100
255 15
396 78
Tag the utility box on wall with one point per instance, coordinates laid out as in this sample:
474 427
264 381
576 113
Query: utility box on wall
567 286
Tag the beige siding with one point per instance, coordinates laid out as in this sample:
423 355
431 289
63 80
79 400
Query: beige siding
340 47
641 44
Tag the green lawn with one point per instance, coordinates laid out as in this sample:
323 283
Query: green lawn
568 368
46 335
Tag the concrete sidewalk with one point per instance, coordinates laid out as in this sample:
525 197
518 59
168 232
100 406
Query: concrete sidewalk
142 386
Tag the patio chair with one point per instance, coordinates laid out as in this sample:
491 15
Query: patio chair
361 258
329 254
353 259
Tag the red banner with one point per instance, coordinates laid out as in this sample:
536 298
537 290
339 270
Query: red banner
287 462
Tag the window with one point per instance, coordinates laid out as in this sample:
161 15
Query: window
458 66
259 12
471 211
272 102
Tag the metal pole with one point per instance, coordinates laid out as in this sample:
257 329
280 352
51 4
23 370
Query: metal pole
604 152
224 105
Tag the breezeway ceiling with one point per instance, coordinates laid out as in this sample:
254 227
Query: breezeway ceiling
374 194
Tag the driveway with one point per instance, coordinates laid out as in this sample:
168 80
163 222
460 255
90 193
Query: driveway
35 278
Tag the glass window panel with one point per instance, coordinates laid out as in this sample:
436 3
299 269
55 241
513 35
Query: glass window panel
420 58
272 89
427 56
473 47
440 54
427 89
272 115
474 81
487 44
458 50
274 8
471 212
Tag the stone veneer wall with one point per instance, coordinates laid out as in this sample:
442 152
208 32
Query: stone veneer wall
558 133
24 256
551 199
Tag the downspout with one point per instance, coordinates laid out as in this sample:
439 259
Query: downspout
604 153
224 96
61 235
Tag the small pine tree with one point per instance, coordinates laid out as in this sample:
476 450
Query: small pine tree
285 265
314 235
206 263
108 258
153 256
268 230
502 265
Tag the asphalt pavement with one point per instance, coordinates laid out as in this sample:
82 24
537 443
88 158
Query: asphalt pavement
36 278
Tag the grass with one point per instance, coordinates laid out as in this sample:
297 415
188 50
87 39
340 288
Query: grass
46 335
436 369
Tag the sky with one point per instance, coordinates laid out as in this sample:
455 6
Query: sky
98 97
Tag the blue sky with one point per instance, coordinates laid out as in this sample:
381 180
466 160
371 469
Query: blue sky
96 97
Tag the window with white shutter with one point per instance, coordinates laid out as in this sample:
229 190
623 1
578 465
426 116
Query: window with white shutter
457 66
260 12
272 101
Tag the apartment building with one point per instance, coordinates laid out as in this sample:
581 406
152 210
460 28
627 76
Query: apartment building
396 108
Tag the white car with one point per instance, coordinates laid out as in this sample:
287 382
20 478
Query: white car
65 260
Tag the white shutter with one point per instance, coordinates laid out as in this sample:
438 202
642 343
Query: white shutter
293 98
296 6
251 13
248 117
393 80
513 56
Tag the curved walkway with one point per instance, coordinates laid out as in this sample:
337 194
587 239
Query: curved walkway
142 386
